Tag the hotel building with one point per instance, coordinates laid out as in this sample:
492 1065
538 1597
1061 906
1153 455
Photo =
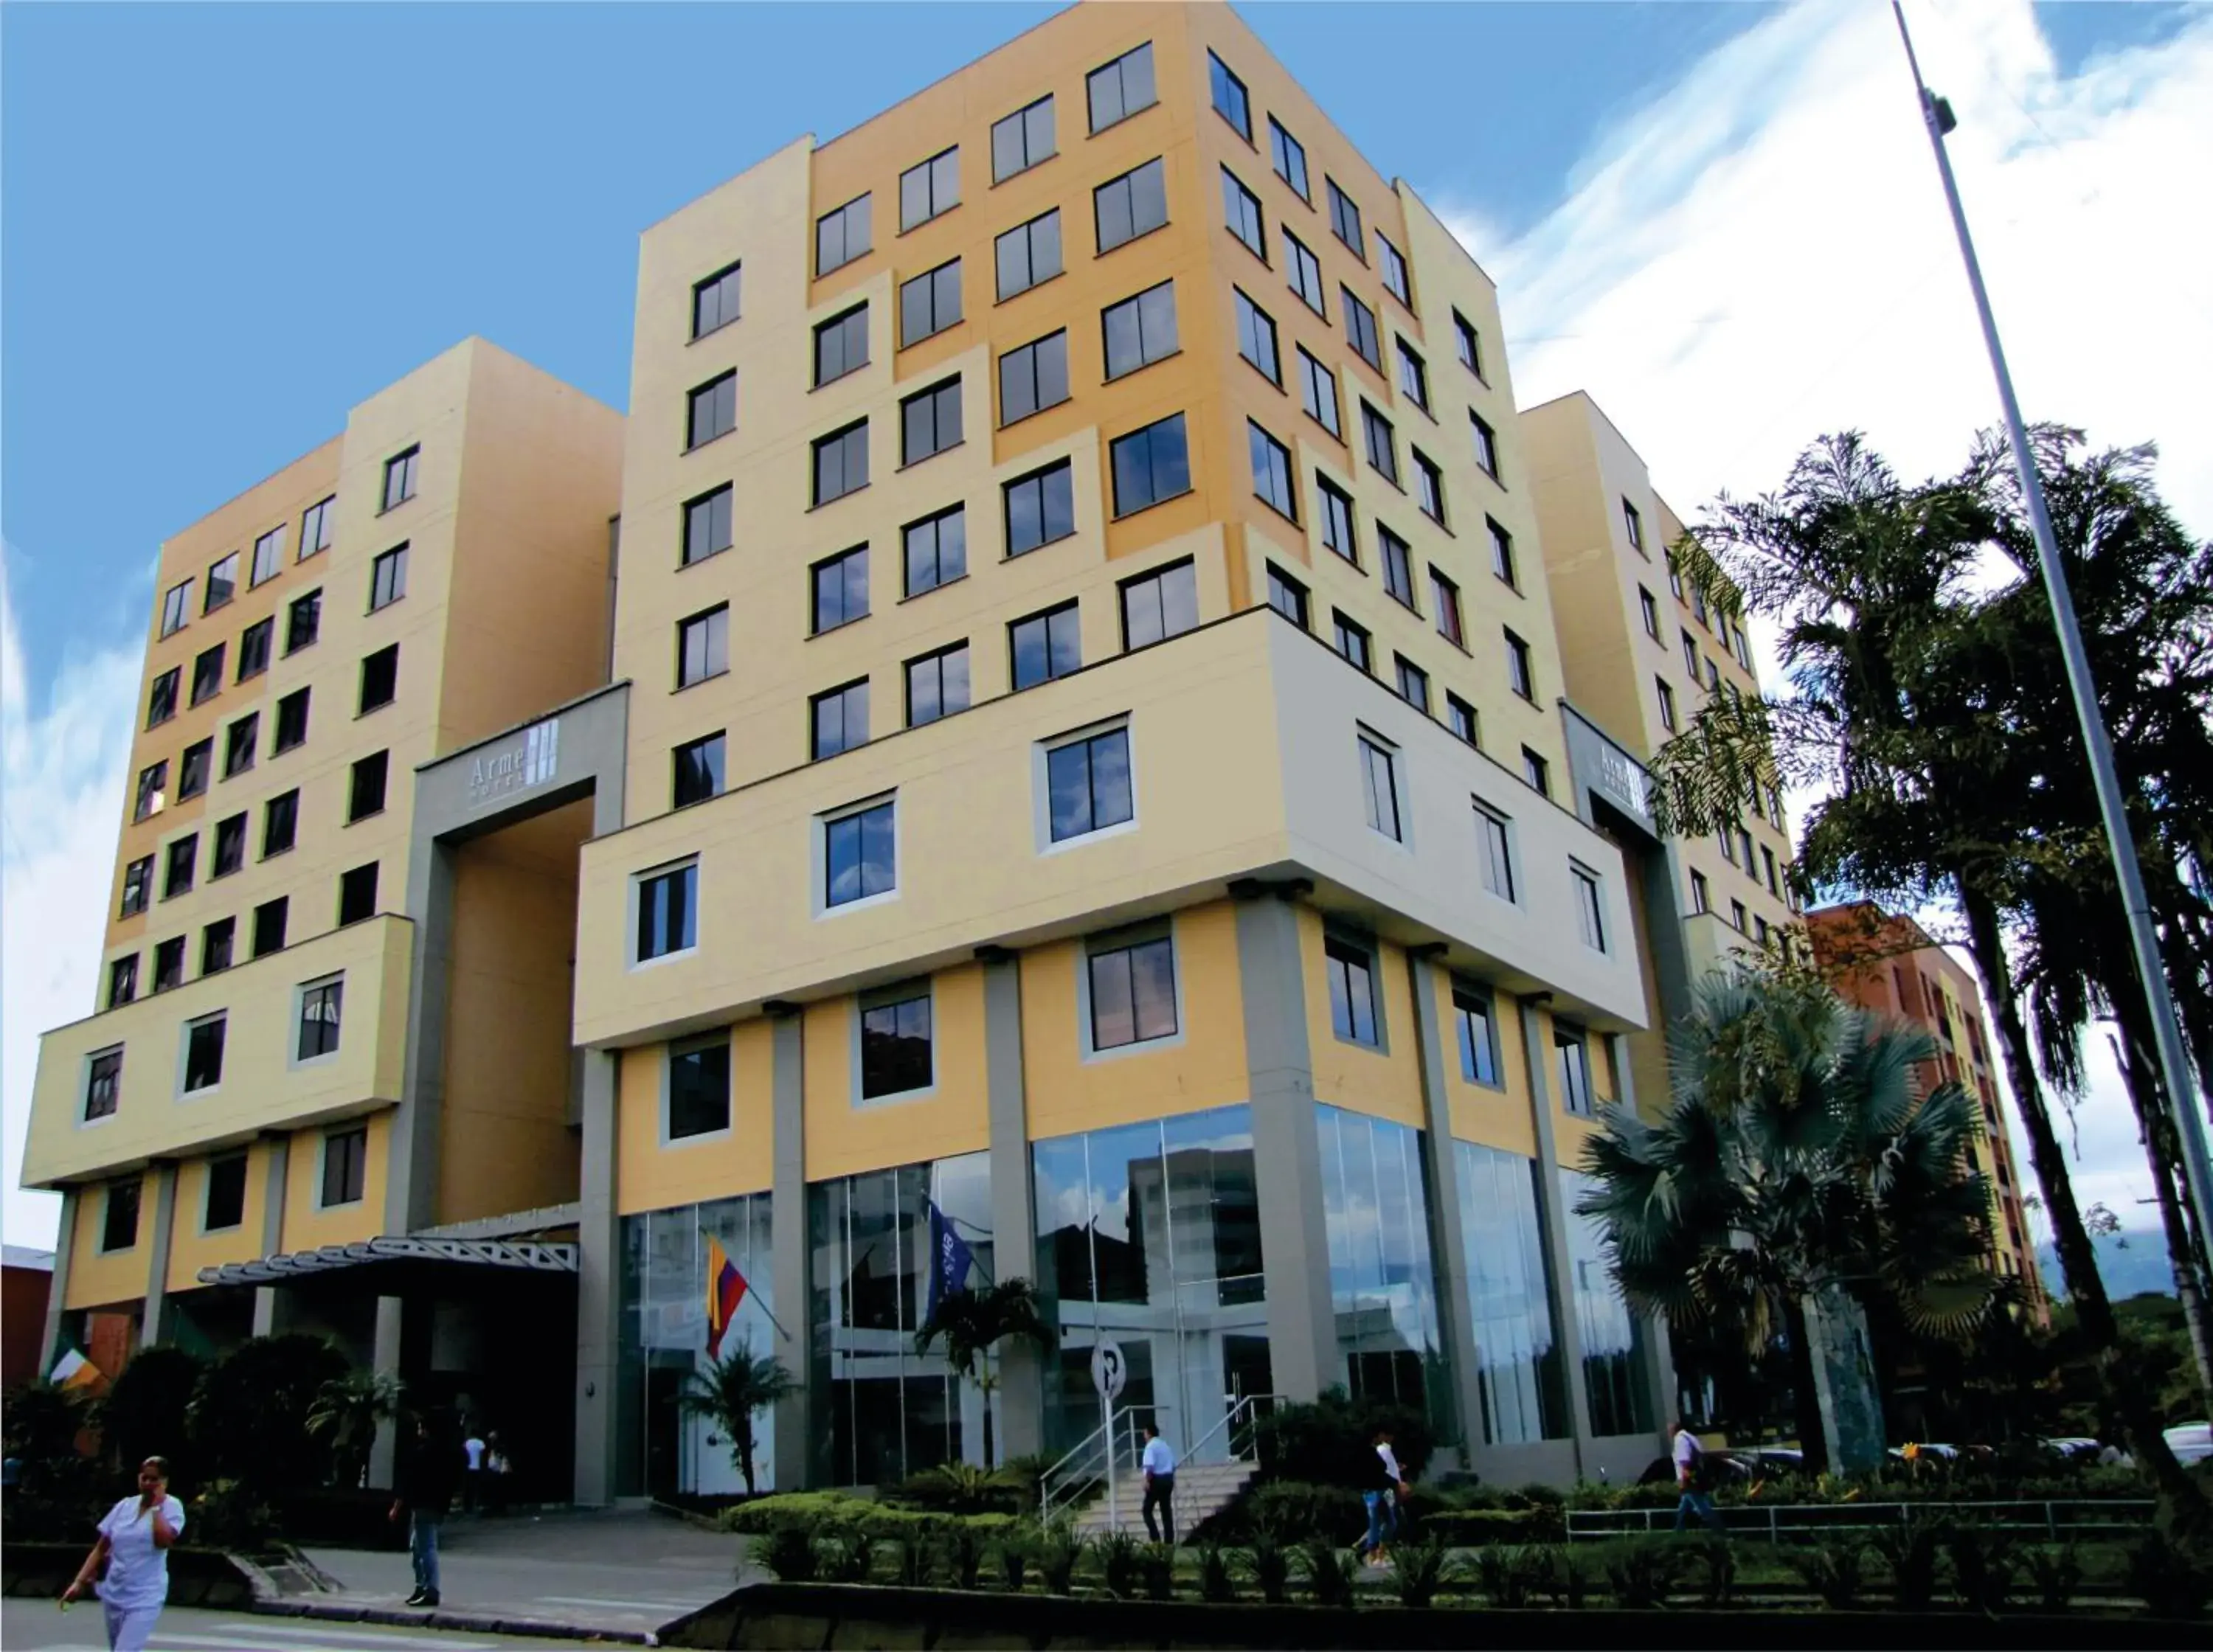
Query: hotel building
1068 750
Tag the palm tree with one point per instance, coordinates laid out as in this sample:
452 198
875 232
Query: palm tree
347 1411
1795 1180
731 1392
974 1322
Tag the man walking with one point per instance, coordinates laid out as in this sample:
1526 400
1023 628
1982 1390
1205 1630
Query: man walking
429 1469
473 1497
1691 1477
1159 1464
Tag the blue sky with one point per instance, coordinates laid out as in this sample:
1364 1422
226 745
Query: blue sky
220 226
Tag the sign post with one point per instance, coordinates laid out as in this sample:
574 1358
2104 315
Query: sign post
1110 1370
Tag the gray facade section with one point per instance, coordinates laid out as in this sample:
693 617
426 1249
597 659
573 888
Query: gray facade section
570 752
1020 1395
157 1253
50 1350
1286 1148
1536 1044
788 1252
268 1301
599 1284
1448 1235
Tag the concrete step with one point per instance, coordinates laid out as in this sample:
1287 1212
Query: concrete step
1202 1490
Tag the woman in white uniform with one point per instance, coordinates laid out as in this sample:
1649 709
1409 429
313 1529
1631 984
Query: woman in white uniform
134 1542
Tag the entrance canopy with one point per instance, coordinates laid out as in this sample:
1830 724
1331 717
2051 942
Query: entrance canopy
412 1254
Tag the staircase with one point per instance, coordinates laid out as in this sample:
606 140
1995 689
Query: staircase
1202 1490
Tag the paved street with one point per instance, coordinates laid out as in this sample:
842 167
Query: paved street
623 1570
38 1626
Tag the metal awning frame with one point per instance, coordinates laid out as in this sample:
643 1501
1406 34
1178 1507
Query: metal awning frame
529 1256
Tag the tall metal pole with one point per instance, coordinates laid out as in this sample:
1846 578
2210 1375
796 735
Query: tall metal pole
2173 1066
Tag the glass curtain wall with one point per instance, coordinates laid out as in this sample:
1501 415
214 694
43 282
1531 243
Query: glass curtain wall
1382 1280
891 1412
1614 1366
1148 1236
659 1451
1517 1352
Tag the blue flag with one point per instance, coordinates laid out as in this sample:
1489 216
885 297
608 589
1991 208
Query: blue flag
951 1261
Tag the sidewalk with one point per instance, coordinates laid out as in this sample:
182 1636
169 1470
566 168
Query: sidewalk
563 1575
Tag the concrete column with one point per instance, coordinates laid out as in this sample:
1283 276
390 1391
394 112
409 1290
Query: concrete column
790 1255
157 1253
1020 1398
269 1315
1448 1238
1286 1150
1552 1212
599 1286
411 1198
50 1348
384 1360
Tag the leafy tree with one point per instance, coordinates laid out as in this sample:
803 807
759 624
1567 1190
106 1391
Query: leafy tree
730 1392
974 1322
1795 1162
143 1413
248 1416
345 1415
1918 688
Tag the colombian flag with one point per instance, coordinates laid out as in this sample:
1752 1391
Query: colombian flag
726 1288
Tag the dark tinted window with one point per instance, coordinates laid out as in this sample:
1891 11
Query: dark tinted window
714 301
895 1047
713 409
699 771
1151 464
1028 254
1040 508
1133 205
379 678
1045 645
1116 90
841 236
841 345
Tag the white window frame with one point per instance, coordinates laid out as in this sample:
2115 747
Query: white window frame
84 1086
1392 753
184 1050
293 1062
1041 787
819 856
670 1143
638 879
1117 939
877 998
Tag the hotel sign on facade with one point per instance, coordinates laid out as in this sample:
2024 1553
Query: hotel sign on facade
523 764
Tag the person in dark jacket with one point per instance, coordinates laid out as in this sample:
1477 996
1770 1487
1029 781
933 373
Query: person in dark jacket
431 1469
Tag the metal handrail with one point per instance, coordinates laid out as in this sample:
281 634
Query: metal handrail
1090 1461
1777 1520
1250 1454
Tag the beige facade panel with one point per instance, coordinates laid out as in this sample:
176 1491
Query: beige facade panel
264 1084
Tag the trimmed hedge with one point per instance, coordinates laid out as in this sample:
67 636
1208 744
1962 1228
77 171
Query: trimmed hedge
831 1513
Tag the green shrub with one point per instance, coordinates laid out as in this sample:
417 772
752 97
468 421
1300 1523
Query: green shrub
966 1489
1472 1528
788 1553
1983 1564
1420 1569
229 1515
1564 1574
1641 1571
1509 1574
1156 1565
843 1557
1330 1571
1118 1564
1059 1552
909 1561
1270 1563
1717 1572
1014 1560
2169 1582
1835 1571
1294 1509
1215 1583
2057 1574
1913 1552
960 1546
819 1512
1331 1441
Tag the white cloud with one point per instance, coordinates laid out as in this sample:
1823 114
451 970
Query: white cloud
1762 254
63 754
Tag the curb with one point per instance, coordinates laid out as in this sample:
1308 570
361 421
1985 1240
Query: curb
471 1623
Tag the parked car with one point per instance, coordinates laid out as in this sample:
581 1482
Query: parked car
2074 1448
2190 1443
1928 1448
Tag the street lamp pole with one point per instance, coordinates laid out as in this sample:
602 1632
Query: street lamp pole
2173 1066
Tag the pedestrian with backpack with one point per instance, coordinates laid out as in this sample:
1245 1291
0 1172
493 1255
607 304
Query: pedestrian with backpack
1693 1480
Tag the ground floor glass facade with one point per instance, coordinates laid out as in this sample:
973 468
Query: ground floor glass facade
1148 1236
1613 1337
1519 1372
1382 1279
